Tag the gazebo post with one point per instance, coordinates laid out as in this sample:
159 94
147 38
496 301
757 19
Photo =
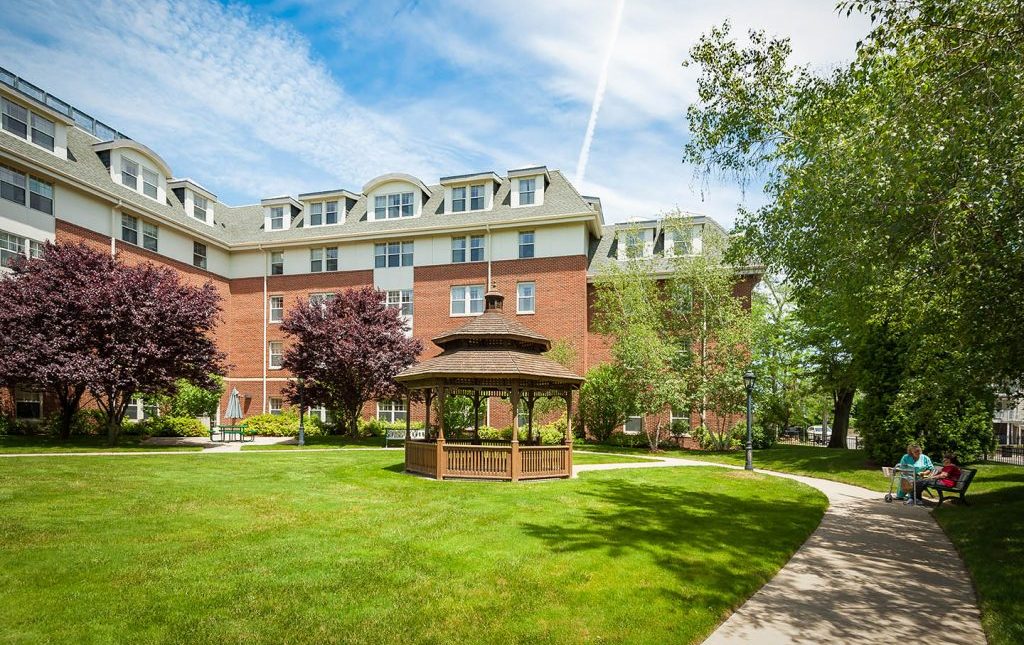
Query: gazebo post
476 416
408 414
531 398
568 432
514 467
442 462
427 398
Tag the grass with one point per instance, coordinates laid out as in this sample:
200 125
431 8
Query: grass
49 443
989 533
342 547
329 441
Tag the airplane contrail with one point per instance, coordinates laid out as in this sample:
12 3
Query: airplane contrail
602 82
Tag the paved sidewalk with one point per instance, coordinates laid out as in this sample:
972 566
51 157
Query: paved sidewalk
866 575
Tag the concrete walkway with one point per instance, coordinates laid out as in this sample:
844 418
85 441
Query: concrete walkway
866 575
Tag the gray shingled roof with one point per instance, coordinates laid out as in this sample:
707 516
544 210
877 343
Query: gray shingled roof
245 224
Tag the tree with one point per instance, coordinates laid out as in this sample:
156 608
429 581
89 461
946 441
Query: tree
347 351
154 330
48 322
605 401
191 400
563 353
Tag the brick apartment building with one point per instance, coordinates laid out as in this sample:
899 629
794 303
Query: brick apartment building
432 248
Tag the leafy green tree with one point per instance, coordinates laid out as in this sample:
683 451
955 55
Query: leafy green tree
605 401
191 400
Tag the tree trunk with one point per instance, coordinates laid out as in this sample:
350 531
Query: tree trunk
69 399
843 403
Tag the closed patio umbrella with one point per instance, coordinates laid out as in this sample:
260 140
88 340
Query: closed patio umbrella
234 410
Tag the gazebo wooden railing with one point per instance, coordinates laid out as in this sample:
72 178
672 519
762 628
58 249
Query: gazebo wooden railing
491 356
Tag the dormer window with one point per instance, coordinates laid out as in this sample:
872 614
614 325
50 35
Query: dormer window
323 213
527 191
316 214
26 123
150 182
277 218
199 206
129 173
43 132
392 206
15 118
459 199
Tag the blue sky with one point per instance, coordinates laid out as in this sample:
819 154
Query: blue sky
291 96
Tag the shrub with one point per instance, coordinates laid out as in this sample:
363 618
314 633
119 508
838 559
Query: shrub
285 424
605 401
627 440
710 440
377 427
762 437
169 427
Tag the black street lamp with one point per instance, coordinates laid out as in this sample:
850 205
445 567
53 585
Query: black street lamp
302 413
748 381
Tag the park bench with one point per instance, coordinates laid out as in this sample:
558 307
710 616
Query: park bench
960 488
398 434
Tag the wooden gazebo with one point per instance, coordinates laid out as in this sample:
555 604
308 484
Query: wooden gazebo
490 356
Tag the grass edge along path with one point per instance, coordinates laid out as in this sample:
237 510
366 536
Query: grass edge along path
31 444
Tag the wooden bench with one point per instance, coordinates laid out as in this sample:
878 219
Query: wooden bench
398 434
960 488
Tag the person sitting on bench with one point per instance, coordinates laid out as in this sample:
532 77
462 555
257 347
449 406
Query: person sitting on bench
914 461
948 476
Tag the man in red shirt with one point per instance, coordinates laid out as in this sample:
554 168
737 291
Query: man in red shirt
947 477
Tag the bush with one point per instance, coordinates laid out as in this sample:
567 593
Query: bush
285 424
605 401
377 427
709 440
762 437
168 427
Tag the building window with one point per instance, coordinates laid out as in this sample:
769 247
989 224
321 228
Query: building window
392 254
150 180
391 411
476 249
467 300
275 404
527 191
12 246
322 413
277 263
633 425
331 254
129 173
129 229
276 309
316 214
476 197
276 350
276 218
458 199
198 255
28 404
138 409
526 296
320 299
526 244
331 213
392 206
150 233
678 415
401 300
316 260
458 249
43 132
13 185
15 118
199 206
40 196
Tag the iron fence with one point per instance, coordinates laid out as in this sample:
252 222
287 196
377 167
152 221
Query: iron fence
1009 455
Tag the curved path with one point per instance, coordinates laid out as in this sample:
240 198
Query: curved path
866 575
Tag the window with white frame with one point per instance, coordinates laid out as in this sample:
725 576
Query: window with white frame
392 254
275 349
680 416
16 186
677 242
320 299
633 425
28 404
150 235
467 300
199 206
392 411
393 206
476 197
331 212
401 300
475 252
15 118
458 249
526 246
129 173
139 408
276 307
526 298
129 229
527 191
316 214
13 246
632 244
459 199
275 404
316 260
199 255
277 263
322 413
150 181
276 218
40 196
43 132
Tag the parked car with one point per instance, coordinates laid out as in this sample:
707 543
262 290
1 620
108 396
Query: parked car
819 434
792 432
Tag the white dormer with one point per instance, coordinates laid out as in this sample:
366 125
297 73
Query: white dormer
468 193
278 213
635 242
198 201
394 196
528 186
135 167
326 208
39 125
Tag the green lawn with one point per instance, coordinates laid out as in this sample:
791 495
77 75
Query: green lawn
47 443
330 441
343 547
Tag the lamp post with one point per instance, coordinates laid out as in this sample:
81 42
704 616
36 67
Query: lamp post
748 381
302 413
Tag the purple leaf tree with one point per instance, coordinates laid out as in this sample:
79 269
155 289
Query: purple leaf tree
347 351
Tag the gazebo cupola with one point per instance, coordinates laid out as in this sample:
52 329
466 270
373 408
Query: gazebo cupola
490 356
